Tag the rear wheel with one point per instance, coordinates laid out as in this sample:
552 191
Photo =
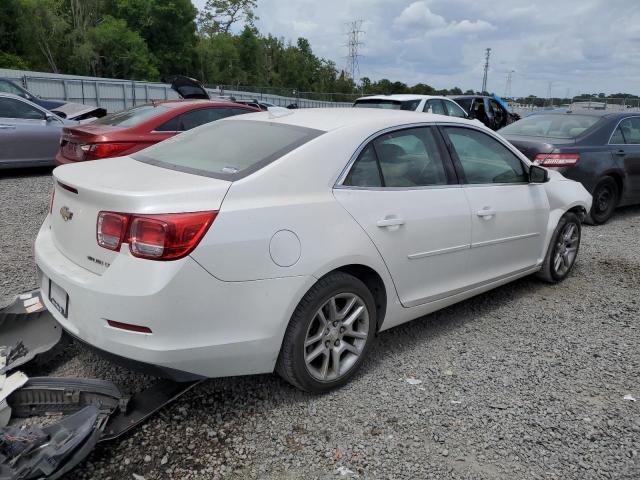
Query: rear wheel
563 249
329 334
605 200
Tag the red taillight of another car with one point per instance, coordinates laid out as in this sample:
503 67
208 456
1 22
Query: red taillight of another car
167 236
96 151
557 159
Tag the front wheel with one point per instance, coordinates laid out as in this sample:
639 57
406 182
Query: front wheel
329 334
605 200
563 249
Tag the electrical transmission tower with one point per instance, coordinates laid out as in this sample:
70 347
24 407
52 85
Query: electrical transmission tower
507 88
353 46
486 69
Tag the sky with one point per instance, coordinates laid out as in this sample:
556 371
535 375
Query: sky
568 46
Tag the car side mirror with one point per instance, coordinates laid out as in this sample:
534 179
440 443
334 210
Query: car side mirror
49 117
538 174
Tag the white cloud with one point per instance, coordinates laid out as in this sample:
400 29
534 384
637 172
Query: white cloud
580 45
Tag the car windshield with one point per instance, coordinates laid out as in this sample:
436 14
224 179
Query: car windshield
550 125
388 104
221 149
132 117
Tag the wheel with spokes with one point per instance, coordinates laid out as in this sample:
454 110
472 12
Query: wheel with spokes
563 249
329 334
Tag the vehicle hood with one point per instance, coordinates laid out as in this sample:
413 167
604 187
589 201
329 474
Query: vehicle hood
78 111
188 87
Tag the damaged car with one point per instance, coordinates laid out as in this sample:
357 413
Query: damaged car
209 255
63 109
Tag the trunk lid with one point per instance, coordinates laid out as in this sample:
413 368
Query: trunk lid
73 138
188 87
120 185
531 146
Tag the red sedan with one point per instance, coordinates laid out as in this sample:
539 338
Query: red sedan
127 132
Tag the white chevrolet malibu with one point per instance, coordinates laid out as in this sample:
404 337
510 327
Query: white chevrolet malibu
262 243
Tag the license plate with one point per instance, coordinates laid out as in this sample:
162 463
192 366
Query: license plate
59 298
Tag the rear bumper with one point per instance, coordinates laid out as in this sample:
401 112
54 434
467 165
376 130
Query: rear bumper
200 325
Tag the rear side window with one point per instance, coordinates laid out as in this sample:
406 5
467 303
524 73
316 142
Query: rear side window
221 149
628 132
405 158
484 159
454 110
133 116
435 106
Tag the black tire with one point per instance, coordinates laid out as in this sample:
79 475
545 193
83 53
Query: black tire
558 246
291 364
605 200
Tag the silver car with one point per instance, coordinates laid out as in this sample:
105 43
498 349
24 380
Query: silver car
29 134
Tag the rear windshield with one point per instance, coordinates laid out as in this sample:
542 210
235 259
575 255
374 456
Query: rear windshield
556 126
132 117
227 149
388 104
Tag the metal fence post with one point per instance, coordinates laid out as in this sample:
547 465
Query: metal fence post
97 93
124 95
64 89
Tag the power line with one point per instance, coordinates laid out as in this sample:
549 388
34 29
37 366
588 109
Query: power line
486 69
353 45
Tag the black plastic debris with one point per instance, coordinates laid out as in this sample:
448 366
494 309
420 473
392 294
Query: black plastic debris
27 329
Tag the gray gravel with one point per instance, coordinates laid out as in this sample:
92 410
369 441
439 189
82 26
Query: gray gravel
526 381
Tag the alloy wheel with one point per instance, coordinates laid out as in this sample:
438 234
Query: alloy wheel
566 249
336 337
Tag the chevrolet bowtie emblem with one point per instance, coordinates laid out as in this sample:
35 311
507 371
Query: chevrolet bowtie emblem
66 214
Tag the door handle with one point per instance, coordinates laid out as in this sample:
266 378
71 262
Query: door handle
621 152
390 221
486 212
7 127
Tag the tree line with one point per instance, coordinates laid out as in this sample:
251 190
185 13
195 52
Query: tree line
151 39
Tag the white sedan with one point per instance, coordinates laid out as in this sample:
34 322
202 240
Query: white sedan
262 243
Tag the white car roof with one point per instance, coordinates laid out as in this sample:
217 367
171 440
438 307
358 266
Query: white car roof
402 97
327 119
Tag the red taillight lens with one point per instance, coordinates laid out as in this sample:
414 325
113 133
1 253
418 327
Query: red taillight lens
557 159
157 237
95 151
111 229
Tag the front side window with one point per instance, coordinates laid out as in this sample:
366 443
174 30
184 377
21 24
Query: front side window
627 132
498 112
405 158
221 149
455 110
12 108
484 159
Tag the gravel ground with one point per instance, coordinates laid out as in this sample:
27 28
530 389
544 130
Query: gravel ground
526 381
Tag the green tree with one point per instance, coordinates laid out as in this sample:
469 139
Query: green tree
218 16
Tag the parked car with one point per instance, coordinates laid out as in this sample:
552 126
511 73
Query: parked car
132 130
209 255
68 110
489 110
29 134
598 149
418 103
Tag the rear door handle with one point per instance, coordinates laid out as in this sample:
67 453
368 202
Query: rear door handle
621 152
486 212
390 221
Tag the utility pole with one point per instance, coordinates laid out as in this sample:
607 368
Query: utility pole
549 92
486 69
353 46
507 88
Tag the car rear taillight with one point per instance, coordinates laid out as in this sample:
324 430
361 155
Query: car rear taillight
111 229
557 159
155 237
95 151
